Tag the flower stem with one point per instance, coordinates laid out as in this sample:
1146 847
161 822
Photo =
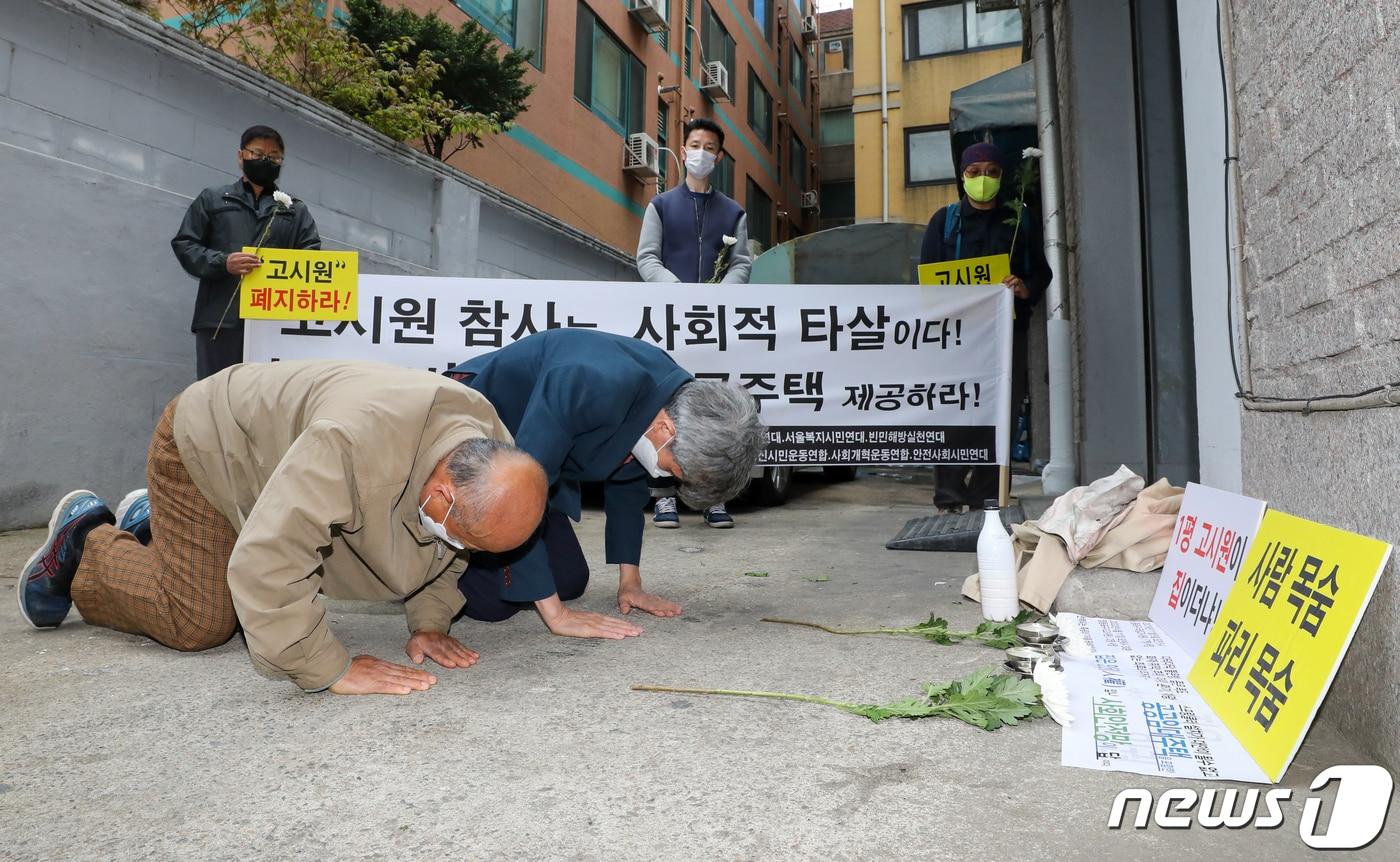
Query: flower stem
876 631
727 692
239 288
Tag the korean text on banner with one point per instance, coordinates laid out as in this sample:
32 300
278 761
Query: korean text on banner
973 270
1207 551
887 374
1280 637
296 284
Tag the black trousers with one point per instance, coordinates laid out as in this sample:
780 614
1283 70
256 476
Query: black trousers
969 486
213 355
481 583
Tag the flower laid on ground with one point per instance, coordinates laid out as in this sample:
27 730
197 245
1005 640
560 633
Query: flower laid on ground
982 699
996 635
722 259
1054 691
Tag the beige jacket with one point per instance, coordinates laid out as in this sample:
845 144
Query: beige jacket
319 466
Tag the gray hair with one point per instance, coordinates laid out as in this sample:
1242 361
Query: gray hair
719 438
470 466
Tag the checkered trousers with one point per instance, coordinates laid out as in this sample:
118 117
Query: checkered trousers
175 590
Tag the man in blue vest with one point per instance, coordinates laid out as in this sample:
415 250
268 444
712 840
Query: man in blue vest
596 407
694 234
983 223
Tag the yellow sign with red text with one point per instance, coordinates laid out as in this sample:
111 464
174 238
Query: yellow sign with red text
296 284
1279 638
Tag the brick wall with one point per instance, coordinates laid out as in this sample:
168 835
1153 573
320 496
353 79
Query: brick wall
1319 151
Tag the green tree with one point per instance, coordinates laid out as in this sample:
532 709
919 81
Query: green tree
477 75
391 86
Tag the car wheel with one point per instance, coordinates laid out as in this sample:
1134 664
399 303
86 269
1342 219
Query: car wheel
773 487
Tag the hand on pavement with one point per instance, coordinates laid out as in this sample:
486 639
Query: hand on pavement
442 648
369 675
629 598
587 624
241 263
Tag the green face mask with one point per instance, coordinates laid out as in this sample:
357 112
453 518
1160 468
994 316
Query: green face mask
982 189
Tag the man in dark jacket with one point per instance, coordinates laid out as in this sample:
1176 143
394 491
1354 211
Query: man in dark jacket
694 234
980 224
218 224
596 407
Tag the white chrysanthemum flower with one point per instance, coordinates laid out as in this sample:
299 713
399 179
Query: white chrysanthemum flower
282 198
1031 153
730 240
1054 692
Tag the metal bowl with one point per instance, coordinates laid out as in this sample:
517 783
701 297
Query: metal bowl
1025 658
1037 632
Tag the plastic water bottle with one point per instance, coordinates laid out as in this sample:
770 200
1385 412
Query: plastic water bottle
996 567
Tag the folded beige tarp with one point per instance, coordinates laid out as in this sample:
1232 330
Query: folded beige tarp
1113 522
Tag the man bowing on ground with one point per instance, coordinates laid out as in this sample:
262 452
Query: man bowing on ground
596 407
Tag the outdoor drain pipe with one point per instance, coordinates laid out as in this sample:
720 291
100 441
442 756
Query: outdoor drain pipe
1060 474
884 121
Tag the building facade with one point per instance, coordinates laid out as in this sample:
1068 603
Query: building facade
604 70
836 125
904 168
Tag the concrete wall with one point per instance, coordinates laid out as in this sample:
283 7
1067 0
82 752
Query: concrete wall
1320 162
109 124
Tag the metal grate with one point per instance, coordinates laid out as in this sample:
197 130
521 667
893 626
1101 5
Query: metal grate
948 532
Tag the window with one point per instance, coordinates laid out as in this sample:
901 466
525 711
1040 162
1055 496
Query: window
836 55
928 156
760 110
663 118
838 200
797 71
760 212
797 164
838 127
762 12
723 176
947 28
518 23
717 44
607 78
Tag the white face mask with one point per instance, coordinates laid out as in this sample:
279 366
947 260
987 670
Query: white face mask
699 163
647 454
438 529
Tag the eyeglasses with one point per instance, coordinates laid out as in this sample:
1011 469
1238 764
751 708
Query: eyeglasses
275 158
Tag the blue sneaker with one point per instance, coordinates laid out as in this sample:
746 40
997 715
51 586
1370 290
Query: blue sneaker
665 515
717 517
47 578
134 515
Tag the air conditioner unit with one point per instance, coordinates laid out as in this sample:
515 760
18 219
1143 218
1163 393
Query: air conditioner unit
651 14
714 81
643 156
809 28
809 200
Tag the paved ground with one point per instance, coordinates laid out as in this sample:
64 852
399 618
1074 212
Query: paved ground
115 748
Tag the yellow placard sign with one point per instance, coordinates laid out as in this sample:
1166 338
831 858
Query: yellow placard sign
1272 653
293 284
992 269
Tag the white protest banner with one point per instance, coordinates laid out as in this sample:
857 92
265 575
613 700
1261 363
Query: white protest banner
843 374
1213 531
1134 710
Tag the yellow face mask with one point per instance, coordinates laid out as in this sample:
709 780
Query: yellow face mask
982 189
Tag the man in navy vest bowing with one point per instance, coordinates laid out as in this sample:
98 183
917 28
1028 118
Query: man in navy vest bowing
596 407
694 234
